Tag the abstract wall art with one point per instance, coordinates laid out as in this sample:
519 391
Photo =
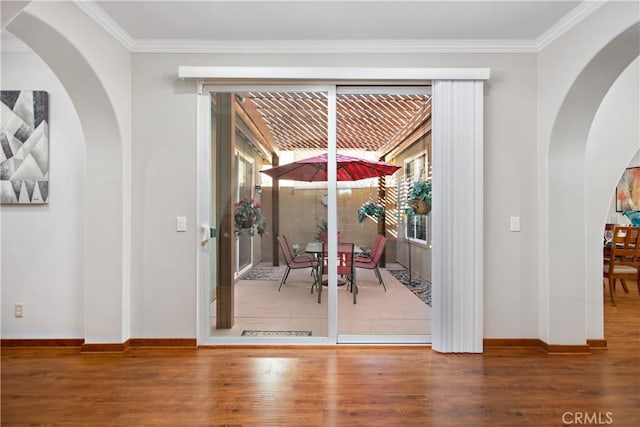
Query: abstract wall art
628 191
24 147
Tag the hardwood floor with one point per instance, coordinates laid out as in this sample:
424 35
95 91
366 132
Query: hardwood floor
330 387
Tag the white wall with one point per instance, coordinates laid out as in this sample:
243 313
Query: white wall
574 73
164 182
614 138
96 72
43 246
522 99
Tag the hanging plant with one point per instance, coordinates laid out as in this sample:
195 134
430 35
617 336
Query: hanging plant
248 217
419 198
372 209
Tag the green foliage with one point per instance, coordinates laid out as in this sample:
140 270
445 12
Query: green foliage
372 209
248 217
420 191
321 227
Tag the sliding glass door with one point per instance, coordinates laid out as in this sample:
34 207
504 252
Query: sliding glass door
282 151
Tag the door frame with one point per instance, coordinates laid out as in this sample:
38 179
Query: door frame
461 290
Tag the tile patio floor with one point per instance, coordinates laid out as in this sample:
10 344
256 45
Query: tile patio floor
259 306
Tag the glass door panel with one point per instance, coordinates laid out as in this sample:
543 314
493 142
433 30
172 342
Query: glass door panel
388 124
263 293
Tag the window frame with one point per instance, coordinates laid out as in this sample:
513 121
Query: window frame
412 220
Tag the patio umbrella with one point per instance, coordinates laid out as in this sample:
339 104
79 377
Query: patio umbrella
315 169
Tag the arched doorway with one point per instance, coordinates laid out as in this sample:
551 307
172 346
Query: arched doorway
575 275
106 132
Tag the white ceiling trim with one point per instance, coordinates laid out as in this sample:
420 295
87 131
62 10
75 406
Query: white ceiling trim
104 20
567 22
335 46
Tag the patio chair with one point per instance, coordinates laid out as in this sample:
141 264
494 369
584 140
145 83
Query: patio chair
295 262
372 263
346 266
369 256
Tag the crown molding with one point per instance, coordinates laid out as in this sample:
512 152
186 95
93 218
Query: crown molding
104 20
335 46
567 22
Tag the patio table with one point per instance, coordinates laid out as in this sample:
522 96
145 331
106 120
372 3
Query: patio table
315 248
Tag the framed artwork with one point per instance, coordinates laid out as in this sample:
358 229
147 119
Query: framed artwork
628 191
24 147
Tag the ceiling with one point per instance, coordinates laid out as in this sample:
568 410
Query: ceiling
336 20
366 122
334 26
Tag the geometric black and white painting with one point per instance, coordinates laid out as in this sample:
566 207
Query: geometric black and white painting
24 147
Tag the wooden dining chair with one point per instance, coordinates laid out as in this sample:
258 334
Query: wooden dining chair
624 263
607 236
295 262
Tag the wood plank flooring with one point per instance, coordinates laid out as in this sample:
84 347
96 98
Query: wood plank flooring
329 387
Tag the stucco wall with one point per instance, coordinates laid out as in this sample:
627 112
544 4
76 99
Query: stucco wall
301 210
420 253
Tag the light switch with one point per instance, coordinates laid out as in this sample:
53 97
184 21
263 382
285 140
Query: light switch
514 223
181 223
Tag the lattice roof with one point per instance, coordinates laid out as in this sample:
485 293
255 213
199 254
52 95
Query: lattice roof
298 120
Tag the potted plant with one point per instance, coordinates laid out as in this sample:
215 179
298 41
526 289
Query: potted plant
419 198
321 231
372 209
248 217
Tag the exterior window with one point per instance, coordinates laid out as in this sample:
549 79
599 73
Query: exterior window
417 227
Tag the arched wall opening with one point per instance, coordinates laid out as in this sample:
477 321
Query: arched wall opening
106 299
573 286
613 145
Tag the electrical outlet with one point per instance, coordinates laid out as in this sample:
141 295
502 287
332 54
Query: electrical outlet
18 310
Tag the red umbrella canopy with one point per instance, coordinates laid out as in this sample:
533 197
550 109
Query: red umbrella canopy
315 169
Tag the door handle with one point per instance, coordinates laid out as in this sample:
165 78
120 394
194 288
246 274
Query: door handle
206 233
